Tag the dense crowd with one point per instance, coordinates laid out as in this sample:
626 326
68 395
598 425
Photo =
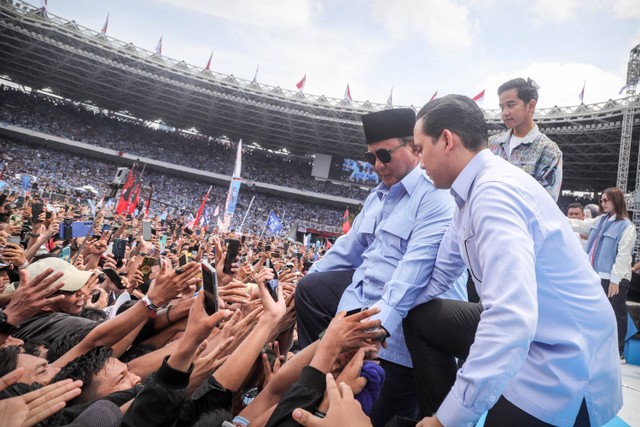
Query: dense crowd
74 121
170 194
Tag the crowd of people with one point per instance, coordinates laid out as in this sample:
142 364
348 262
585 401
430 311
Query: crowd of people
459 290
170 194
74 121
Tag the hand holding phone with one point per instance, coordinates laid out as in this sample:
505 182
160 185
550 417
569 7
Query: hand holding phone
233 247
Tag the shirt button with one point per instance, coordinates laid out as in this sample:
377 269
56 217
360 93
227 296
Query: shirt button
379 244
492 399
388 201
370 265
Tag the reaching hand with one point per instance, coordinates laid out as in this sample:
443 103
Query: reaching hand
32 296
343 408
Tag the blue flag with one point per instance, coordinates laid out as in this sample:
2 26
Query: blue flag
273 223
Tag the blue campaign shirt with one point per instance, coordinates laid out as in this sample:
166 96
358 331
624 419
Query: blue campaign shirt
392 245
547 336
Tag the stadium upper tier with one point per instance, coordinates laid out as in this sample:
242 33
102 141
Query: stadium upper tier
42 51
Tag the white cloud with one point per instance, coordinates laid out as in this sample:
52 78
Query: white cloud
626 9
560 84
558 11
443 23
272 13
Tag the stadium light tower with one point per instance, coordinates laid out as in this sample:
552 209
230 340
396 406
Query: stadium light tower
633 74
633 70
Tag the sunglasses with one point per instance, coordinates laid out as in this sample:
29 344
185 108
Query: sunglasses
382 154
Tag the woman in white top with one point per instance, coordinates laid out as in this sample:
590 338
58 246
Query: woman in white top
610 247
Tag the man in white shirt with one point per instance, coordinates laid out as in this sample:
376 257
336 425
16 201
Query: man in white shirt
541 348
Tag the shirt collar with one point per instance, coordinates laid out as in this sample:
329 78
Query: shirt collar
528 138
409 182
461 187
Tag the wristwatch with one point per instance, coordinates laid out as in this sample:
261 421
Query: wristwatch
150 305
5 327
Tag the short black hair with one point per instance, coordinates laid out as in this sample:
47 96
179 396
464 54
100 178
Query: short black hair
460 115
63 343
85 367
8 359
575 205
526 89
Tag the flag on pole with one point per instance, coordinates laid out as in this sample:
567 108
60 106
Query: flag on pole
127 189
435 95
159 46
255 76
328 245
217 211
390 98
479 98
234 190
204 202
301 83
346 225
581 94
274 225
347 94
208 67
133 203
148 204
307 240
106 25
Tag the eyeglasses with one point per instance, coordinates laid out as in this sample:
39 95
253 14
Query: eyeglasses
382 154
604 200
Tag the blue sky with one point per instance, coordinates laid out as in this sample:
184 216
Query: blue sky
416 46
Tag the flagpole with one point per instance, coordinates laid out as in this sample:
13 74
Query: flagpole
247 214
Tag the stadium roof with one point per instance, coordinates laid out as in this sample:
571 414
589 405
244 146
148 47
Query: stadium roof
43 51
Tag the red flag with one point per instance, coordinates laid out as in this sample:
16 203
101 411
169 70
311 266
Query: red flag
199 214
479 97
123 202
347 94
208 67
301 83
346 225
328 245
106 25
435 95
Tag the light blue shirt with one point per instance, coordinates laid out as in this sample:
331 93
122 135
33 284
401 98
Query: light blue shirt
393 245
547 336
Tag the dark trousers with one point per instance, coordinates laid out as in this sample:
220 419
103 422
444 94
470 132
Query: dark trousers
440 331
317 297
619 304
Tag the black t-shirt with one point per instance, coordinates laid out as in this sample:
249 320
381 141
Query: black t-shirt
46 327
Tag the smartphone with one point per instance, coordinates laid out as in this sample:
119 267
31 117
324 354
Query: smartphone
184 259
105 227
267 248
65 253
3 198
354 311
286 247
163 240
298 256
36 210
114 277
233 247
146 265
146 230
48 215
307 265
119 247
14 239
210 288
81 228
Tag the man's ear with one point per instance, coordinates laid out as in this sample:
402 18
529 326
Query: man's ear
531 105
448 139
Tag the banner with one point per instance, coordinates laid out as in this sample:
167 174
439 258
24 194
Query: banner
234 190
